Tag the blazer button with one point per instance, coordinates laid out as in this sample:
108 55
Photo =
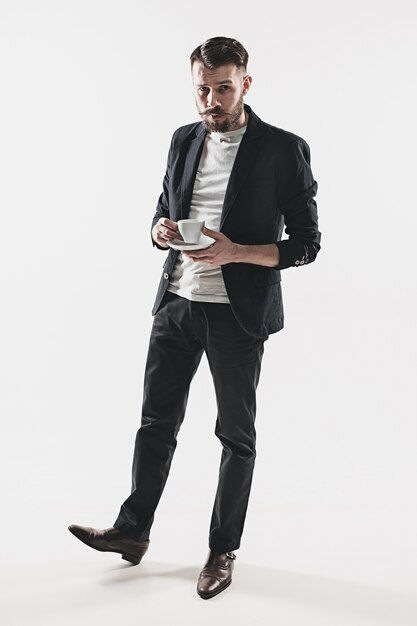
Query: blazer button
166 275
301 262
297 262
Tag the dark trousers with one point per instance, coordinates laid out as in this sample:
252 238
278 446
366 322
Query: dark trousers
182 330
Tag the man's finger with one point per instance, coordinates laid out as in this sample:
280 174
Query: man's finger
167 222
193 254
212 233
168 231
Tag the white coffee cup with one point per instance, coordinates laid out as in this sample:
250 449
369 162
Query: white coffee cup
190 229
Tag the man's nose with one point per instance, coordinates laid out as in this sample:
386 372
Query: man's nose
212 100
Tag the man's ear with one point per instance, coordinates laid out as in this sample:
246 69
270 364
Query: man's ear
247 81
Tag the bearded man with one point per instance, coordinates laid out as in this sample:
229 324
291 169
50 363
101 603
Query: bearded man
247 180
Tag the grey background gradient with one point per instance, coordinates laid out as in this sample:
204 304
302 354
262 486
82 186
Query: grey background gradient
91 94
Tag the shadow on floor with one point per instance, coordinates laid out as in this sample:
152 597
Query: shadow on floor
378 604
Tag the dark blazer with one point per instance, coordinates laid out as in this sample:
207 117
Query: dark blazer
271 185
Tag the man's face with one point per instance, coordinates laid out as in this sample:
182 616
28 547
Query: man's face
219 95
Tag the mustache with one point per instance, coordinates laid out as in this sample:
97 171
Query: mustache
209 111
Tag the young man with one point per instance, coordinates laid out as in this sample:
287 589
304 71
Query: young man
246 179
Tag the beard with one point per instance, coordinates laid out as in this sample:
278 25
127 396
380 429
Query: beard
230 123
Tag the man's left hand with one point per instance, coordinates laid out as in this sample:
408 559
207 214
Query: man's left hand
222 251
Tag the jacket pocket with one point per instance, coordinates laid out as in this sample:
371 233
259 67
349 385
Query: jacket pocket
263 276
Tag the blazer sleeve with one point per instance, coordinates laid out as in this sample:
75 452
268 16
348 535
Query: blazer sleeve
297 205
162 207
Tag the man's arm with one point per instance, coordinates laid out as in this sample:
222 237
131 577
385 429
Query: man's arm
224 250
299 208
162 207
296 193
265 254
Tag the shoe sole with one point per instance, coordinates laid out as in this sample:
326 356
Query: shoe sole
132 558
207 595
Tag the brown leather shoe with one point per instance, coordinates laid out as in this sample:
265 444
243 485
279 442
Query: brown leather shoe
111 540
216 574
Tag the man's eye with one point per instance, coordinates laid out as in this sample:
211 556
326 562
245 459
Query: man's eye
203 88
224 88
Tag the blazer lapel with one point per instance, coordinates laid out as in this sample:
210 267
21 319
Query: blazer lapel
192 160
245 158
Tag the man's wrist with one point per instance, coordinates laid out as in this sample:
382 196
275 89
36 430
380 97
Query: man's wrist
262 254
238 252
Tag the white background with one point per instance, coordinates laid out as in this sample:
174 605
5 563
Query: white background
91 94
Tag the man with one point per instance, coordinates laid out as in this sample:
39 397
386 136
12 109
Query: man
246 179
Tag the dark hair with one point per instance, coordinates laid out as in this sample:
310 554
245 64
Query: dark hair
220 51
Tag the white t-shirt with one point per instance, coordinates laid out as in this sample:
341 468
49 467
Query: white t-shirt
197 280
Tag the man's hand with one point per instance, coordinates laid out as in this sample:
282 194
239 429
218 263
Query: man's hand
165 230
222 251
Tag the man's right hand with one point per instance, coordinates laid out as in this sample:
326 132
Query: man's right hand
165 230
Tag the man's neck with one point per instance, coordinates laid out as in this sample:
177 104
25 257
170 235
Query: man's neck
244 121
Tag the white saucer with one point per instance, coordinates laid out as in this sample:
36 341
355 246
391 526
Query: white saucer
204 242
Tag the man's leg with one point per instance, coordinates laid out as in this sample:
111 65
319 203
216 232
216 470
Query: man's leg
235 363
173 357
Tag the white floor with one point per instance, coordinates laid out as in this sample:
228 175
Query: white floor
49 578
